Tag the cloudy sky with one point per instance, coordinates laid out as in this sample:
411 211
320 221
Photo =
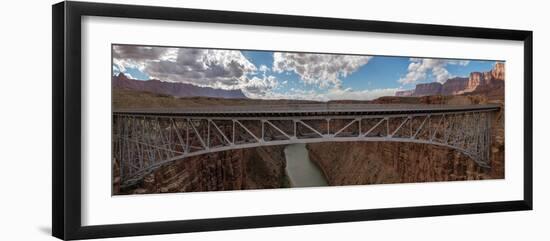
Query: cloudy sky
286 75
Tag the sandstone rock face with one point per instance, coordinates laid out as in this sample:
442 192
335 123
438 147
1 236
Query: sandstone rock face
497 72
433 88
490 83
254 168
455 86
487 78
359 163
472 84
476 78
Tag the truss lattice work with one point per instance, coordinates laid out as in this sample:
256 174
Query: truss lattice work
144 142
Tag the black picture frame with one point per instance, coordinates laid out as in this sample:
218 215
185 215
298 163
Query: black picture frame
66 128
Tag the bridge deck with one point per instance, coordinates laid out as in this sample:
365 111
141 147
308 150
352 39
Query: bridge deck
308 109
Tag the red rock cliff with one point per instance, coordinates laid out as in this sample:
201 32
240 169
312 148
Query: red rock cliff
349 163
455 86
477 83
497 72
433 88
253 168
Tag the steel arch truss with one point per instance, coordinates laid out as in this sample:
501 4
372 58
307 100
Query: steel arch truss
143 143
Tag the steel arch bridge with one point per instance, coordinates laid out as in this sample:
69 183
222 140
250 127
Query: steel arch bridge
144 140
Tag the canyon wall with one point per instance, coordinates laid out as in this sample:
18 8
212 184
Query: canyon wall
361 163
351 163
253 168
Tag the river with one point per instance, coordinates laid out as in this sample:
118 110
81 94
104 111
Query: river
300 170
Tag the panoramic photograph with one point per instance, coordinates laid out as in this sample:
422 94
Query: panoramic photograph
189 119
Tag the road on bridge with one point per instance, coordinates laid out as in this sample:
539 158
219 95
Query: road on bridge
309 109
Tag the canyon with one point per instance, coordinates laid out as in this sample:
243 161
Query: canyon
349 163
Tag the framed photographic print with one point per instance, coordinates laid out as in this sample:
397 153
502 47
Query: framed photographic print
170 120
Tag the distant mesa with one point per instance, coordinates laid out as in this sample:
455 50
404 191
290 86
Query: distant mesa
404 93
121 81
477 83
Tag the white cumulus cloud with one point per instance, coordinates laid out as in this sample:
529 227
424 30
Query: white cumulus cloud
222 69
324 70
419 68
